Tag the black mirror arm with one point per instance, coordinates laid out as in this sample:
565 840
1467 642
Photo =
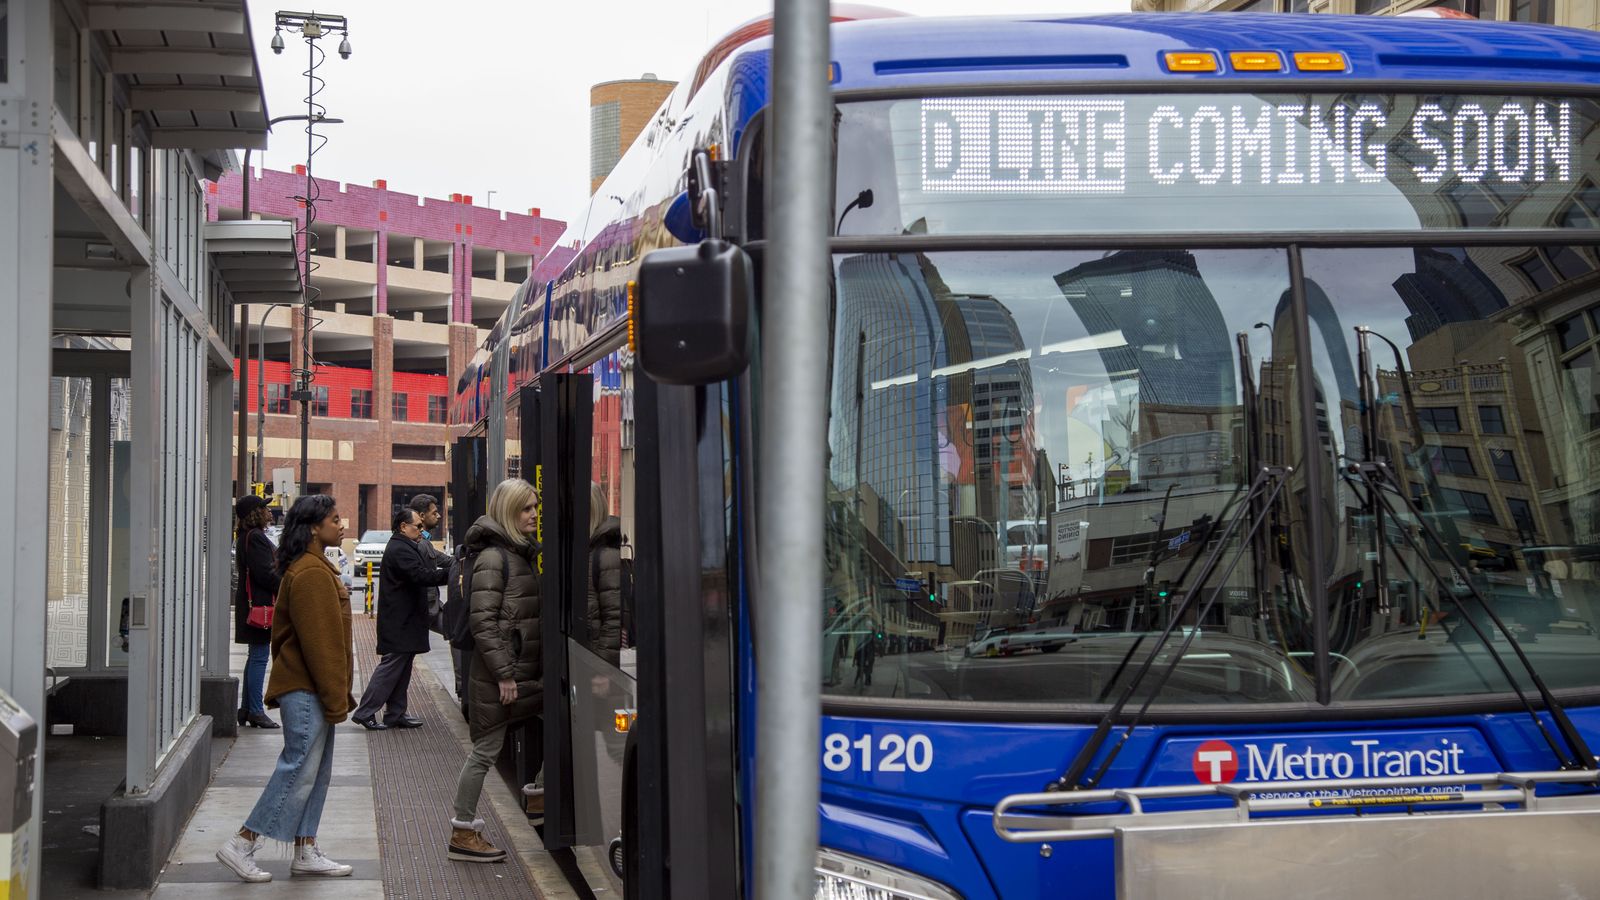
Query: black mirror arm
708 205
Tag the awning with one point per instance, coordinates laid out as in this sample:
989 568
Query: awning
190 64
256 258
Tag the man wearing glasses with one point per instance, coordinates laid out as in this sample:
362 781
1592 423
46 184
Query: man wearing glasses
406 580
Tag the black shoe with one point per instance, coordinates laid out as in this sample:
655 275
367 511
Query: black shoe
244 716
405 722
370 723
261 720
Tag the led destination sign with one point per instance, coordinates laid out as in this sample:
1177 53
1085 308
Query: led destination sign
1072 145
1235 162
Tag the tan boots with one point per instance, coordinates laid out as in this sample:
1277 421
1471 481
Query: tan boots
467 843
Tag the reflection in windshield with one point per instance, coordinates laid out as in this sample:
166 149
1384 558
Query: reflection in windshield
1030 454
1032 451
1487 420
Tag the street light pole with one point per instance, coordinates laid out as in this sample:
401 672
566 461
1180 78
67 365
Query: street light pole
312 27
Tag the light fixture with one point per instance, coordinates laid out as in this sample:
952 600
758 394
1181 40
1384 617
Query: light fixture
277 42
344 47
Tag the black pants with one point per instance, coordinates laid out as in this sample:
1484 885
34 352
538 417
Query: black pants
387 688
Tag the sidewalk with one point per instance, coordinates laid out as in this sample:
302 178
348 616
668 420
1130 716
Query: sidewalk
398 850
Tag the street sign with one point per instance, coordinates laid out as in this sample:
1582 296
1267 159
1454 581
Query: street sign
1178 541
909 584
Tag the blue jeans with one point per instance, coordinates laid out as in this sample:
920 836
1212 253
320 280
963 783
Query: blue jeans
291 805
255 678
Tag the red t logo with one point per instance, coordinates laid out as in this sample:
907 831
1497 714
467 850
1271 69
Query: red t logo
1215 762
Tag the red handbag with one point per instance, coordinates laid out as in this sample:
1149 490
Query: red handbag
260 616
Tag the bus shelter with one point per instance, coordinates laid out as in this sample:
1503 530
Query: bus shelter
115 390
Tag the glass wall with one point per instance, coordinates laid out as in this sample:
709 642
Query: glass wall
68 520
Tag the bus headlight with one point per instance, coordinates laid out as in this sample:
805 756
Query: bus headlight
844 877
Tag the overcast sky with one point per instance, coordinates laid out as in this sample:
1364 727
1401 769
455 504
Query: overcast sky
476 96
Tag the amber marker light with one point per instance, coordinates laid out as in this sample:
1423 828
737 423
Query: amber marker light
1320 61
1190 61
623 720
1255 61
633 317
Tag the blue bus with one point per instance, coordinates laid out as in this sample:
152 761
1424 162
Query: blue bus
1213 489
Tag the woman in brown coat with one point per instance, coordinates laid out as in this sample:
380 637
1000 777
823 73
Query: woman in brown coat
311 678
504 689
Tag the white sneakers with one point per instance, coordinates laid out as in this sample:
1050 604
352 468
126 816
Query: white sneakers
239 855
309 860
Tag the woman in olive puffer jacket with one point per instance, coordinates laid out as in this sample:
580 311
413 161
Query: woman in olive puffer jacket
504 688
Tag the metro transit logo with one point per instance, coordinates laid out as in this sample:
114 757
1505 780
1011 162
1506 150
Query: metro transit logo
1216 762
1219 762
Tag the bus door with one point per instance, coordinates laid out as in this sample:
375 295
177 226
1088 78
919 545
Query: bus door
522 755
468 496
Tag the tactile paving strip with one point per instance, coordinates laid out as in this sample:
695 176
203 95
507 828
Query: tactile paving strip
414 784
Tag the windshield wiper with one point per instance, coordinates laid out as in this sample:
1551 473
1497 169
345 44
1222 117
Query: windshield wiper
1380 481
1275 476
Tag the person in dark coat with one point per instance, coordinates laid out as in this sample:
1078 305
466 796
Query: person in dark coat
407 579
605 578
257 586
507 660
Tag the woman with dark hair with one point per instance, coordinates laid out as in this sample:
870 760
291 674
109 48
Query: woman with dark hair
252 604
311 679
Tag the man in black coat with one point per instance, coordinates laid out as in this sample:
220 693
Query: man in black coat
407 578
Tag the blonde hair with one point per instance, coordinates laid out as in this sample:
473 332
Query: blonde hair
598 510
505 507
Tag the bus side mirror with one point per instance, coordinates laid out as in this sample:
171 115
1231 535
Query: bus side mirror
691 313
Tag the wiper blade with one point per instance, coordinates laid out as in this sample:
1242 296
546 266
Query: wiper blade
1378 476
1073 779
1580 756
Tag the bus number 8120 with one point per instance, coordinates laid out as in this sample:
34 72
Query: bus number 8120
898 753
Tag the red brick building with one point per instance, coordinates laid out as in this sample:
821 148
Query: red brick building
404 288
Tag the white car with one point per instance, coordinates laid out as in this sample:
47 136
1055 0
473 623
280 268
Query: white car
370 549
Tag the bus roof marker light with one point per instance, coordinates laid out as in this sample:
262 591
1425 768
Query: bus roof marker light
1255 61
1320 61
1191 61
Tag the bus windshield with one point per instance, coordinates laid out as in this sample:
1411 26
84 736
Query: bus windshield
1140 163
1030 451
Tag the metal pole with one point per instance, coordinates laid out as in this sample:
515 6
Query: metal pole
244 357
261 391
242 475
305 307
793 469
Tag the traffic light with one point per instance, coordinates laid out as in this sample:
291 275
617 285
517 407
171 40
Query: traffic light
1163 590
933 591
259 489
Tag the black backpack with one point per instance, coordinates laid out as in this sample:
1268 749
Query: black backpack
456 618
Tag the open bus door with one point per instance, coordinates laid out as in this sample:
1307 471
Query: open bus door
629 764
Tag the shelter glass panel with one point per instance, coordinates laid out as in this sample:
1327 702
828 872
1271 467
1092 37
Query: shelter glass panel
68 579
